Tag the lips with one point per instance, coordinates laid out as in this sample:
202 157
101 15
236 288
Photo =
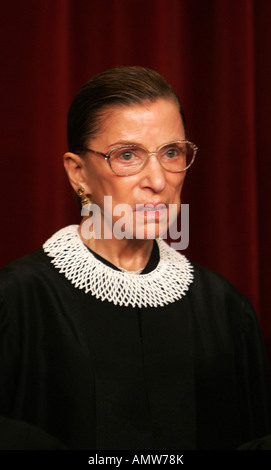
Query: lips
151 207
152 211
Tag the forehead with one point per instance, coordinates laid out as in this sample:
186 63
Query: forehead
146 123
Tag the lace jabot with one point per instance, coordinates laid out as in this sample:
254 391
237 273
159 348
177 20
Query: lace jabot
168 282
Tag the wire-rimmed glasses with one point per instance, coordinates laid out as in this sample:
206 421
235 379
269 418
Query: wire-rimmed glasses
129 159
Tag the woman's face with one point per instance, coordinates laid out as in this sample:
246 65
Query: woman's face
149 125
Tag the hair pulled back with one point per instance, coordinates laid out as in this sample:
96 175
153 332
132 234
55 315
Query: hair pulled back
117 86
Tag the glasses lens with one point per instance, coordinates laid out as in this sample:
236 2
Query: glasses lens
177 156
126 161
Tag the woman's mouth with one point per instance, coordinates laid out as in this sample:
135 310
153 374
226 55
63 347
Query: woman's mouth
151 211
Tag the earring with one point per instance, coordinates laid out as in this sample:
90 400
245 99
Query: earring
85 201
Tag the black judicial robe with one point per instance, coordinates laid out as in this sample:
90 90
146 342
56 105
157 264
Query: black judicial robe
93 375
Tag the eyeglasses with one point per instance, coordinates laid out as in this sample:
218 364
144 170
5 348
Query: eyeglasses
130 159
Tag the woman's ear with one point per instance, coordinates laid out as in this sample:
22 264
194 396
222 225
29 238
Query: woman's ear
75 168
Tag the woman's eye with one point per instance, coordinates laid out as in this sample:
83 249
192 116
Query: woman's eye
127 156
171 153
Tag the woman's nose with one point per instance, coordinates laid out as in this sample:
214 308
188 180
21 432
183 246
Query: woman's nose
154 174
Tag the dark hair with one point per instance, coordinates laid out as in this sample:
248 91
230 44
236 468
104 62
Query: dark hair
118 86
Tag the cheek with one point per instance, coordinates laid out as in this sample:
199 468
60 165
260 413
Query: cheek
97 174
119 192
177 185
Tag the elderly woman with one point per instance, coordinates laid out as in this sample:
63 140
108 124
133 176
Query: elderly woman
119 342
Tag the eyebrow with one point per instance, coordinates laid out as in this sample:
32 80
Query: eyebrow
125 142
140 144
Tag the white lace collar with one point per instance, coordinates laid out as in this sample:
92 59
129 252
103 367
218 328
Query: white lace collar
168 282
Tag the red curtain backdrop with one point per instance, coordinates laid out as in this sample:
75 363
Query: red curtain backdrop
216 53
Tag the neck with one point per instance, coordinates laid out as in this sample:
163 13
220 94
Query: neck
130 254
